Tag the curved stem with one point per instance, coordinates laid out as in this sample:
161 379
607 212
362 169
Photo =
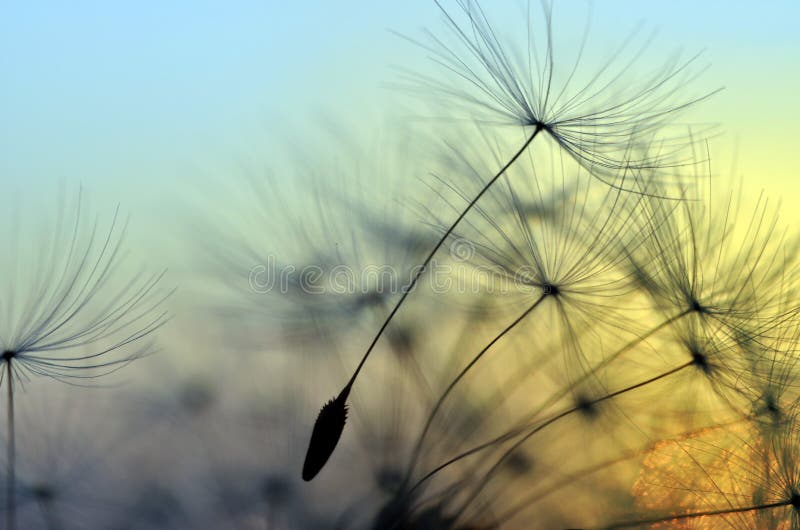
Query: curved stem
537 495
558 417
424 265
519 430
692 515
418 446
11 478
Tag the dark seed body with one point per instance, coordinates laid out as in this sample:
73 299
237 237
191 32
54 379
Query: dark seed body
327 431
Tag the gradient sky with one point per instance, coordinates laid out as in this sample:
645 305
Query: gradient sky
127 97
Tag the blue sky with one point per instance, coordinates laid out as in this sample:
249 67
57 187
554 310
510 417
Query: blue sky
124 96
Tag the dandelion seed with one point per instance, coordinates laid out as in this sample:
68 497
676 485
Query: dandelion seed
65 319
591 114
327 431
571 263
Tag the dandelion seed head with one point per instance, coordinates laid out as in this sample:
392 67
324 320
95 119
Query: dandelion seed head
700 360
696 307
328 273
76 315
586 406
768 410
550 289
715 256
794 500
592 114
548 227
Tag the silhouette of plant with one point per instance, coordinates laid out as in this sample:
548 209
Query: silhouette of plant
599 125
71 316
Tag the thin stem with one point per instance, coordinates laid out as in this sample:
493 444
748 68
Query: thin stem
692 515
560 416
11 478
418 447
516 432
537 495
424 265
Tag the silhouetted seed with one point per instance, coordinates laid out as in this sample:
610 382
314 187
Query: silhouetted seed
772 408
8 355
327 431
519 464
794 500
701 361
550 290
586 406
696 307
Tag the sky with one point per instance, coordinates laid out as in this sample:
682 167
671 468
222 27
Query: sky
154 105
141 102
